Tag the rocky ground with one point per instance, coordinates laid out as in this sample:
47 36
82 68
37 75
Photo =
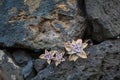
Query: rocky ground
28 27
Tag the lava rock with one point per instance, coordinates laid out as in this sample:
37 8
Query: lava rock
104 16
21 57
8 68
74 76
42 74
39 24
26 70
102 63
39 64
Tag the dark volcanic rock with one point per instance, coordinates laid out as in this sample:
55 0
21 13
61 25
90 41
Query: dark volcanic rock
104 16
9 69
39 23
103 63
26 70
21 57
39 64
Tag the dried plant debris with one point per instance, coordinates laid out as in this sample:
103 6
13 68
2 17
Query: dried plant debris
75 49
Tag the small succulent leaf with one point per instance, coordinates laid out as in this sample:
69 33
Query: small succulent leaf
68 46
82 54
79 41
70 53
42 56
46 51
48 61
84 45
53 53
57 63
73 42
63 59
73 52
73 57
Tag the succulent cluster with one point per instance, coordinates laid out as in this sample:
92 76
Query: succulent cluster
53 55
74 49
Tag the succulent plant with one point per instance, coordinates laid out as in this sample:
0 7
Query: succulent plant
53 55
59 58
75 49
49 55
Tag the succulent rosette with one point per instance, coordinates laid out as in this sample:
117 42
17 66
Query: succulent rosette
59 58
76 49
49 55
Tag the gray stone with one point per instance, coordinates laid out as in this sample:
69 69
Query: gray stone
42 74
104 16
8 68
21 57
26 70
102 63
74 76
39 24
39 64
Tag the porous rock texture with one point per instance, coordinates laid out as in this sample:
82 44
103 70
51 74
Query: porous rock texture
103 63
28 27
8 69
104 15
39 24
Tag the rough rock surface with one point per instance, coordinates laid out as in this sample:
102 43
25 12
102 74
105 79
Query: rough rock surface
103 63
21 57
8 68
27 69
104 16
39 23
28 27
39 64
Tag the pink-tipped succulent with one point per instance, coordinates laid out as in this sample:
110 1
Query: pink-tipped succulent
49 55
59 58
75 49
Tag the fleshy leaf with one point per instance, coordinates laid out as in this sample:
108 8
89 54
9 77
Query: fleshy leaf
79 41
73 57
53 53
63 59
84 45
71 53
73 42
82 54
48 61
57 63
46 51
42 56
